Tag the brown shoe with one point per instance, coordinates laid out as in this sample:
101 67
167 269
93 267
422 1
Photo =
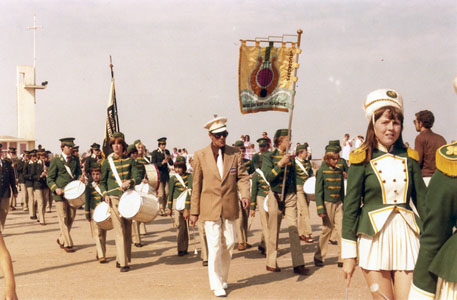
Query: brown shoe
102 260
242 246
302 238
309 239
301 270
60 245
68 249
277 269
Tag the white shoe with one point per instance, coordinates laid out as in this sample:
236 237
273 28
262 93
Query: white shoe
220 293
225 285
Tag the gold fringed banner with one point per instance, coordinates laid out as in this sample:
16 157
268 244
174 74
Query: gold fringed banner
266 76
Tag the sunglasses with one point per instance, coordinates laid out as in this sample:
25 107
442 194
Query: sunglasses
220 134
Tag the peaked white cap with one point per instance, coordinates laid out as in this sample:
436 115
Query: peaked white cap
216 125
381 98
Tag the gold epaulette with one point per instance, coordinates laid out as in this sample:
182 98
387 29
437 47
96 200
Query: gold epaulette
358 155
413 154
446 159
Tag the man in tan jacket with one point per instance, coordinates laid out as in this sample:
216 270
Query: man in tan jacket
218 176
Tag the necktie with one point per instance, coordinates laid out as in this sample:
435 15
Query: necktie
68 160
220 164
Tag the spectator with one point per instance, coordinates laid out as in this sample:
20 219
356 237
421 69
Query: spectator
426 143
358 141
347 146
265 136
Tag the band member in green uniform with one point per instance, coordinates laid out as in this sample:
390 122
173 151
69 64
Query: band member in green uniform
63 169
93 198
119 174
132 152
161 158
379 226
21 165
179 201
28 176
39 173
94 159
329 202
273 166
303 171
47 193
12 156
438 241
242 221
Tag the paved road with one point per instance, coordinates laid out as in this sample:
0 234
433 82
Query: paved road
44 271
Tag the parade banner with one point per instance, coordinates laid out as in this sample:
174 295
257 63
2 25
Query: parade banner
266 77
112 120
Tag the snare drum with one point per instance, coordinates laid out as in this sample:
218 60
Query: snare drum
74 193
102 216
153 175
310 186
138 206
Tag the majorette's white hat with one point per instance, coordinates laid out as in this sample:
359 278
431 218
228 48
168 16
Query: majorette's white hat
380 98
216 125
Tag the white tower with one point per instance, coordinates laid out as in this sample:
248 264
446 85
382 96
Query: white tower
26 99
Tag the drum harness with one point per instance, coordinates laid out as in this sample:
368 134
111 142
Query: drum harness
265 201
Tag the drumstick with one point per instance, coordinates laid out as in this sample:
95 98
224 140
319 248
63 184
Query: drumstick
250 223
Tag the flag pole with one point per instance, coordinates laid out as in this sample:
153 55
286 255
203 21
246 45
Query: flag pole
291 113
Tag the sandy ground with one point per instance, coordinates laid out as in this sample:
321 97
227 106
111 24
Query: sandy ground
44 271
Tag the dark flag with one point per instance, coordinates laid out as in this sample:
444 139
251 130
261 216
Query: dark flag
112 119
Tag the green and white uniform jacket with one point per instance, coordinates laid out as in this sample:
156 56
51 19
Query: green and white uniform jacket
378 188
438 242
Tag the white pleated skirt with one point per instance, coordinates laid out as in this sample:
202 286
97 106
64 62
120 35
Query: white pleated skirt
395 247
448 290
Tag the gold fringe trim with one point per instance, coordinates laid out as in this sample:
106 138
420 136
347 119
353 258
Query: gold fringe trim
446 164
358 155
413 154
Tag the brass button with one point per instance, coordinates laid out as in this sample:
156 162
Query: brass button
375 163
395 201
383 181
395 180
404 170
405 179
396 192
380 171
403 162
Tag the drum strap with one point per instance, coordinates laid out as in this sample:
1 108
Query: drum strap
114 170
180 201
69 171
301 166
97 188
262 175
265 201
180 180
146 159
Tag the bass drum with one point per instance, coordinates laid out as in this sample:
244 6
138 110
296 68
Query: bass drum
153 175
138 206
309 188
74 193
102 216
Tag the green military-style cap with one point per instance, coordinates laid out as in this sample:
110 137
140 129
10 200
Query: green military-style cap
118 135
131 149
95 146
239 143
263 142
48 152
181 159
335 143
95 166
76 148
41 151
12 149
26 152
162 140
301 147
33 152
67 141
137 142
332 149
281 132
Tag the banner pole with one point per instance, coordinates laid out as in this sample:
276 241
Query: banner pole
291 113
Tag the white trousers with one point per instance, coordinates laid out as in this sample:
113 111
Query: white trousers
220 235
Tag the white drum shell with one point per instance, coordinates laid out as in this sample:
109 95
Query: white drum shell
153 175
74 193
102 216
138 206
